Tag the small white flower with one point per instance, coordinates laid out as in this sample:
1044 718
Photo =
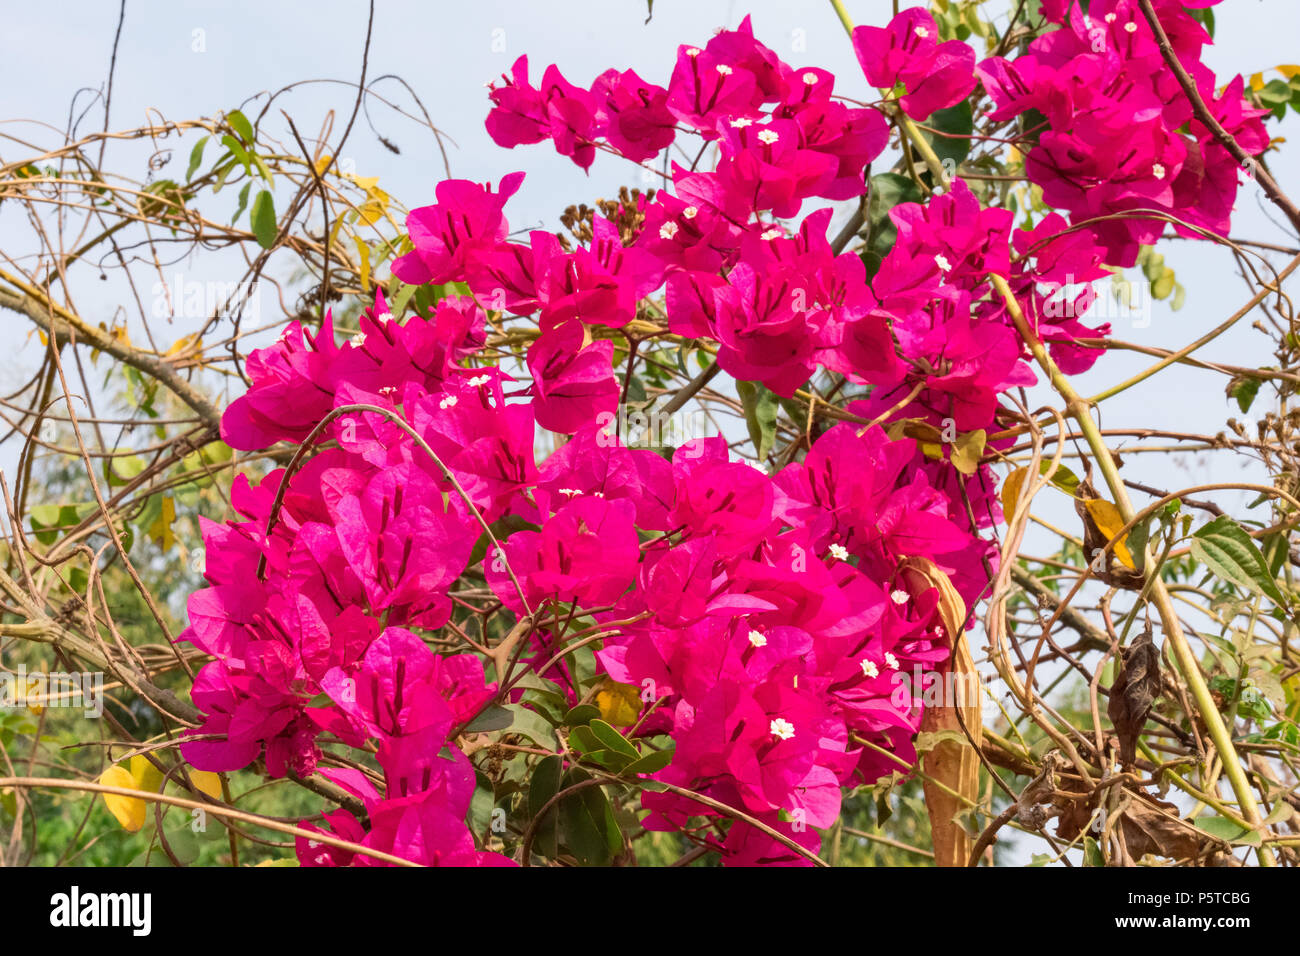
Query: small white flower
358 340
478 380
757 639
723 69
447 401
923 32
770 234
839 552
1110 18
782 728
891 661
570 491
942 262
384 318
899 596
1158 170
768 136
668 230
599 494
741 122
690 212
1130 27
869 668
810 78
693 51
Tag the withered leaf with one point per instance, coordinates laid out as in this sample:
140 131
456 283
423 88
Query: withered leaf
1116 566
1131 695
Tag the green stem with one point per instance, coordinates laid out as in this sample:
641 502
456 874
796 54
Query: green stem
1078 409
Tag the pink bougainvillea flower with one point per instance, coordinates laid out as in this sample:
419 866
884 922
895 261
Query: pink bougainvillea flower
934 75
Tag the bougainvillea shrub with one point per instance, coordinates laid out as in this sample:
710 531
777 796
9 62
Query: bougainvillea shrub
425 578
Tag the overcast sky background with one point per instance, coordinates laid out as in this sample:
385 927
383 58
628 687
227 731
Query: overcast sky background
447 52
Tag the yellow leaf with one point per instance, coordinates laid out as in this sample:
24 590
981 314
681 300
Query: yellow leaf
365 182
371 212
620 704
1257 81
1108 521
967 451
323 163
146 775
183 343
161 528
206 782
129 811
1287 69
363 253
1011 491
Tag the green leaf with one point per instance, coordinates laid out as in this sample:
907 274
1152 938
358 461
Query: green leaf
482 803
1092 853
587 821
582 714
543 786
651 762
1228 831
1225 548
1244 391
263 219
958 122
237 151
532 725
887 191
584 740
240 124
760 415
612 739
242 204
196 157
492 718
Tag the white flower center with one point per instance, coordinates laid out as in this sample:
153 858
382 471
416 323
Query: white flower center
447 401
942 262
869 668
741 122
782 728
1130 27
891 661
668 230
693 51
923 32
723 69
899 596
358 340
1158 170
810 79
690 212
478 380
770 234
757 639
768 136
839 552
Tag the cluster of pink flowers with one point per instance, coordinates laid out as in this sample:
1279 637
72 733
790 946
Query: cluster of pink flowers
1119 134
769 613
